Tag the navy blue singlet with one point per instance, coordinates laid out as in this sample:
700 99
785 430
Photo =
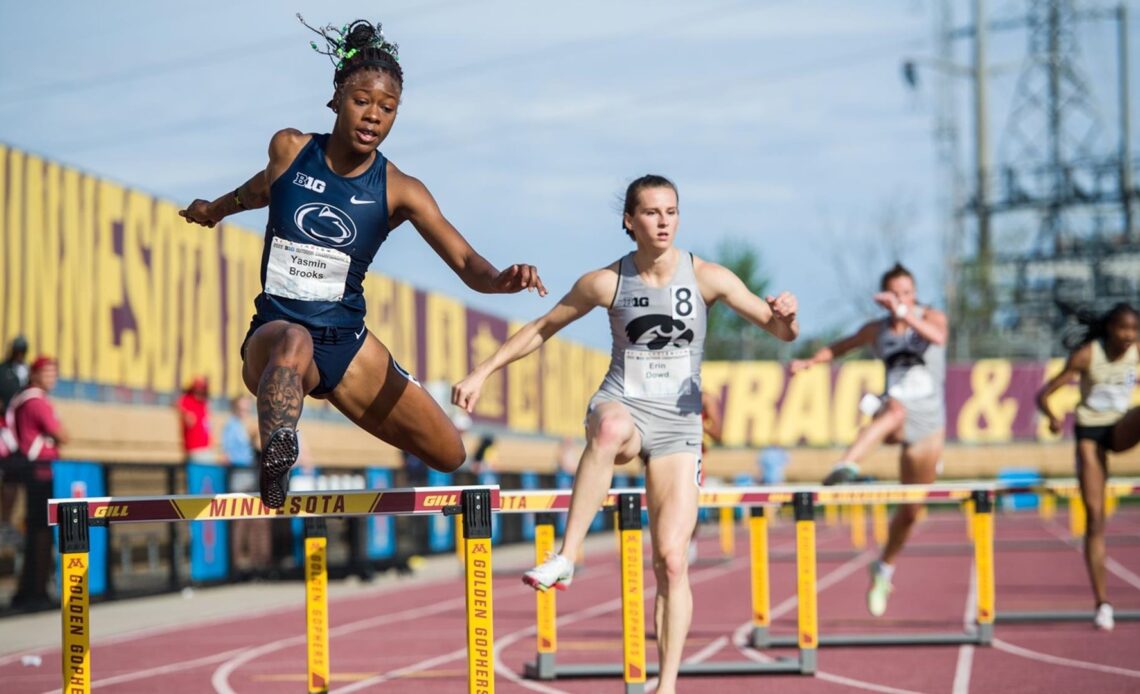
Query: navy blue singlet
323 232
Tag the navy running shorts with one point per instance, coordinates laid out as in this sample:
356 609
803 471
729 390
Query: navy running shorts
333 350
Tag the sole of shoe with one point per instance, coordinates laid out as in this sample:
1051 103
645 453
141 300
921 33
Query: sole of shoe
277 460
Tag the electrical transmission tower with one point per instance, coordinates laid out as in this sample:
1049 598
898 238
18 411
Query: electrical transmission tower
1054 220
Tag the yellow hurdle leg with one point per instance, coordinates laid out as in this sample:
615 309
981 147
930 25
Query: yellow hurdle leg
983 523
830 515
1111 501
1047 506
806 588
632 593
858 526
728 532
546 608
317 604
476 504
761 593
880 525
1076 515
75 597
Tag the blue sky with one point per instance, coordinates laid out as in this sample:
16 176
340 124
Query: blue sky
783 122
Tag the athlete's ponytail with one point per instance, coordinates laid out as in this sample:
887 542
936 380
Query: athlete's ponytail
1091 325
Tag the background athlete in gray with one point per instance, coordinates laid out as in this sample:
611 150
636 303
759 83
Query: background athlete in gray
911 341
649 403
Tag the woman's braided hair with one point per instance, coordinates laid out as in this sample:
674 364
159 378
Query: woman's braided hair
359 45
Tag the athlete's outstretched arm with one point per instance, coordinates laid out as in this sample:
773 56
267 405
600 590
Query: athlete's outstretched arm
776 314
860 338
254 193
1078 361
412 201
932 326
591 290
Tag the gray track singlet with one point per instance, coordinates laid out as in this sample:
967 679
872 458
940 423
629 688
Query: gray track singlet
916 376
658 338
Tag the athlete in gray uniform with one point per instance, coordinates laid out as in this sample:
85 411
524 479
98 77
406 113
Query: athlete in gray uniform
911 342
916 377
655 363
649 404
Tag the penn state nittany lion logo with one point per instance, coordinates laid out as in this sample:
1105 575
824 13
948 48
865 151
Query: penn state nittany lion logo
325 223
661 331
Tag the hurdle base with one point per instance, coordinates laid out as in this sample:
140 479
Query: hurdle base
735 667
1038 616
543 667
759 638
957 638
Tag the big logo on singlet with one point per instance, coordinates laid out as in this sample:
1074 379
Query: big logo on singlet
325 223
661 331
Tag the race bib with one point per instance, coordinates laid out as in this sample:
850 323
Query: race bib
912 383
657 373
1111 397
306 272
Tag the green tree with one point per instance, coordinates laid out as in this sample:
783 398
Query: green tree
729 336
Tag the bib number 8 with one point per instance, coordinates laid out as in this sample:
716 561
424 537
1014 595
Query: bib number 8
682 302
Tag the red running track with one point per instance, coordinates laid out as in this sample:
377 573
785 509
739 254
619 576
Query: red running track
411 637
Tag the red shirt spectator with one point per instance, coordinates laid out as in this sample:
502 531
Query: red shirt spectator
31 417
194 408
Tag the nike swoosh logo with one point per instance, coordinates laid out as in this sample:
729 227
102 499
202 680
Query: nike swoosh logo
354 201
360 333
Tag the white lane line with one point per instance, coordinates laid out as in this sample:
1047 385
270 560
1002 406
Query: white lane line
160 670
1111 564
1067 662
740 637
220 679
602 608
400 672
454 655
1122 571
965 664
147 632
860 684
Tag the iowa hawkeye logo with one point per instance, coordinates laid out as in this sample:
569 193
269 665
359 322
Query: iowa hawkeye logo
658 331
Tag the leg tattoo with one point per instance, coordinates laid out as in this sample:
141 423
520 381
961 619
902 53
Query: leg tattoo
279 399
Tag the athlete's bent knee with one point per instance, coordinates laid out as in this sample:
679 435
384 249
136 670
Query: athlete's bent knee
293 347
449 456
612 431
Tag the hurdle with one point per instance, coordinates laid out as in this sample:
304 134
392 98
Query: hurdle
981 494
628 505
1071 492
474 505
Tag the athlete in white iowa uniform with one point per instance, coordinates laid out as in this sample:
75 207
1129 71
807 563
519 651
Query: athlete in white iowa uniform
649 404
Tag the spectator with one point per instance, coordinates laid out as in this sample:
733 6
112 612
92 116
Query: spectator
253 550
194 410
13 377
485 455
14 371
415 471
772 462
38 433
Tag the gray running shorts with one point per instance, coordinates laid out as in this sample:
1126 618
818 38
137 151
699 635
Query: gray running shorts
663 429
